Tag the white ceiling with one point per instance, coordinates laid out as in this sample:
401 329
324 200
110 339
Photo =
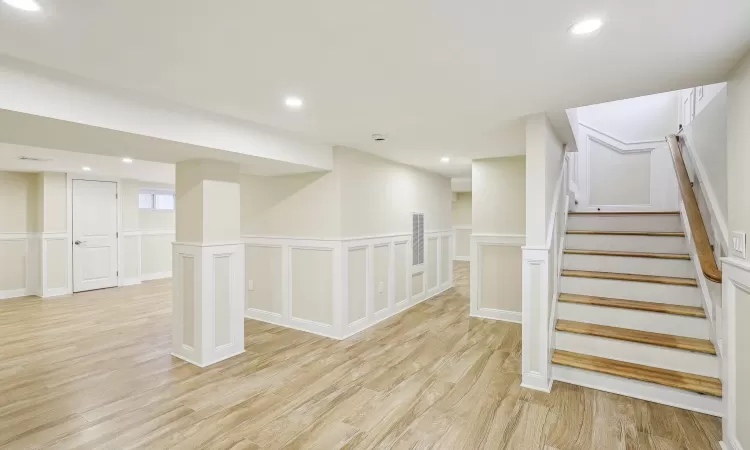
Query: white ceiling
438 77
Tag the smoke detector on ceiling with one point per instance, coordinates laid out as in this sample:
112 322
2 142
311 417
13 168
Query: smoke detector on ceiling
379 137
31 158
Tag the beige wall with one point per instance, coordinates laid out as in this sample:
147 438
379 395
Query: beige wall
305 205
378 195
499 195
738 146
363 196
17 202
55 202
461 210
500 278
738 164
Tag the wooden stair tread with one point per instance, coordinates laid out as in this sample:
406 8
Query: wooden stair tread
629 233
679 310
675 281
641 337
679 256
624 213
680 380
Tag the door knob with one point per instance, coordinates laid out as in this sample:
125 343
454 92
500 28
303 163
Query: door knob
79 242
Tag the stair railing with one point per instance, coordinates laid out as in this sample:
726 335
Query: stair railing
697 227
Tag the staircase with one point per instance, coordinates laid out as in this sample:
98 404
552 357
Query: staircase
630 318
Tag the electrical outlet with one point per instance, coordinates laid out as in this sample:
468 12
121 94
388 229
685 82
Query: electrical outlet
381 287
250 285
738 244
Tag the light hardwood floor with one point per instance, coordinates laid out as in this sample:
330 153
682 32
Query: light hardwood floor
94 371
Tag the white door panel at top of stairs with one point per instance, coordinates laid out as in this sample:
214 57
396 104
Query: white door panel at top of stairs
631 290
637 353
621 264
643 244
631 319
647 222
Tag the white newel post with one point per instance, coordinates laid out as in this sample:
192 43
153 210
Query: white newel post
208 262
535 363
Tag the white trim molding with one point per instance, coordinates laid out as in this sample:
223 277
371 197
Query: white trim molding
735 279
477 243
663 185
341 327
208 298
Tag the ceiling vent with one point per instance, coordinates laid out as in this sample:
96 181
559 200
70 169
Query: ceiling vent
31 158
378 137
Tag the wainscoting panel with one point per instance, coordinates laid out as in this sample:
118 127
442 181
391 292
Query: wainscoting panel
462 243
495 285
13 273
432 264
264 278
337 288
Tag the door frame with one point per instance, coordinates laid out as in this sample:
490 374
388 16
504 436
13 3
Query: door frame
93 177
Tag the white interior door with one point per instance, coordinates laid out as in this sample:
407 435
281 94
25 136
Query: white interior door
94 235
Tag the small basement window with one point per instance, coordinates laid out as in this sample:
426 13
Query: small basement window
159 200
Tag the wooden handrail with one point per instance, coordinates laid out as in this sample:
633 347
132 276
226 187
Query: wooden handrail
695 220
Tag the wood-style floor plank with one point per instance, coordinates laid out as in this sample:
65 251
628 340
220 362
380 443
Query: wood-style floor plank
93 370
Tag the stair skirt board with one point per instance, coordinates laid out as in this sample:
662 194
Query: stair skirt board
626 222
651 392
654 322
632 290
637 353
623 243
640 266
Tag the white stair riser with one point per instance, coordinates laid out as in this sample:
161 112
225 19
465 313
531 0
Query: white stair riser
608 242
679 398
635 320
625 222
621 264
644 354
631 290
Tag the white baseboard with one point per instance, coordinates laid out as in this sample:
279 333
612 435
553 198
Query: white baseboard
156 276
678 398
731 445
56 292
13 293
321 329
462 258
498 314
206 364
536 382
130 281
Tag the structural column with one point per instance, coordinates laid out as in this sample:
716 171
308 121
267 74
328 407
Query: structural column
208 261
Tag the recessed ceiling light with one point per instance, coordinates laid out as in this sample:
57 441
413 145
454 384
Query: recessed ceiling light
127 160
86 168
293 102
26 5
445 160
586 26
